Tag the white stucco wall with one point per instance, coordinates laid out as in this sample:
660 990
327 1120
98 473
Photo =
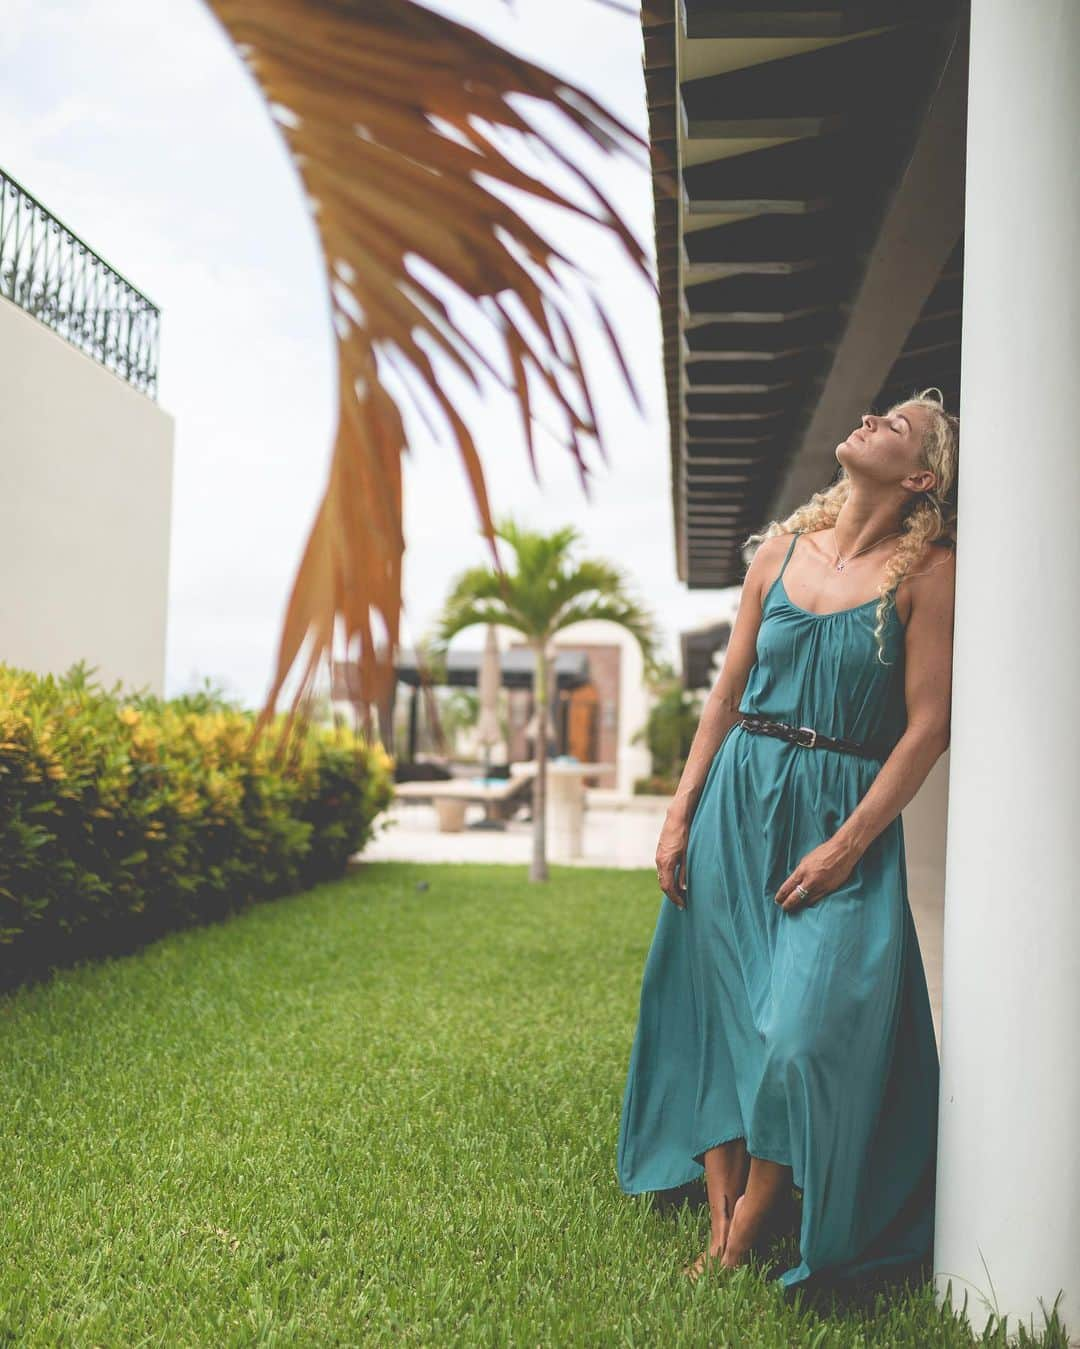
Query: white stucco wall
86 464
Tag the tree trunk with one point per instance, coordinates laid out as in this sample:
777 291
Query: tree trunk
538 870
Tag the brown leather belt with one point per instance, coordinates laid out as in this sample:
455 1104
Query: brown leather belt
807 736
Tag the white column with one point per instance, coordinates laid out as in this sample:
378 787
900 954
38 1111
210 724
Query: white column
1008 1192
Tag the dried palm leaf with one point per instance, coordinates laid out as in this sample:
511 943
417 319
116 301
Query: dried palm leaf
388 111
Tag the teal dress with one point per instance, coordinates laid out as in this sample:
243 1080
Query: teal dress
807 1033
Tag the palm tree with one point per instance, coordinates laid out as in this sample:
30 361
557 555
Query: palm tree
392 114
545 593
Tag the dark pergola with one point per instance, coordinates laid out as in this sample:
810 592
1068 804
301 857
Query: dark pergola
569 671
517 666
808 171
699 646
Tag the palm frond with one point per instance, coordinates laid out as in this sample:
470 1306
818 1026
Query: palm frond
390 112
626 612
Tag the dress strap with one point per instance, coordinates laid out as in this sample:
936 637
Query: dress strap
791 546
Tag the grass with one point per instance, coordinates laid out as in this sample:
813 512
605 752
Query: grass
383 1112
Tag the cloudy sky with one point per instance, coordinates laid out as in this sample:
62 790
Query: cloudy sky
140 127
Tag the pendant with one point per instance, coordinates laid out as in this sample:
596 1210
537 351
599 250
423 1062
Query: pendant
839 566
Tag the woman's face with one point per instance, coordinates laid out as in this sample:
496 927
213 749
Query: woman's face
887 449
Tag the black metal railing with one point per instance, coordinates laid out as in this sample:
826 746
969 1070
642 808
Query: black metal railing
46 269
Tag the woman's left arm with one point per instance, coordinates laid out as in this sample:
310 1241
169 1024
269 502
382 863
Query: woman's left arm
928 639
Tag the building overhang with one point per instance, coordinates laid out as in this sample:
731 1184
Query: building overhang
808 172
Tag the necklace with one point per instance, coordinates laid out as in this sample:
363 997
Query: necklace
841 562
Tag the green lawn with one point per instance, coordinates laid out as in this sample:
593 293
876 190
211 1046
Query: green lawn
384 1112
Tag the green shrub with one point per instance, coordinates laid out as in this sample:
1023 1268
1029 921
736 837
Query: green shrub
669 730
123 816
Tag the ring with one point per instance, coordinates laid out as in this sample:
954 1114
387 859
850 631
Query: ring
802 890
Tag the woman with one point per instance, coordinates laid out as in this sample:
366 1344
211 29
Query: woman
785 1034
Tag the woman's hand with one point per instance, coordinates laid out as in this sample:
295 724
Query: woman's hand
821 871
671 853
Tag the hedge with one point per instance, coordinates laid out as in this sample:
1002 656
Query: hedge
124 816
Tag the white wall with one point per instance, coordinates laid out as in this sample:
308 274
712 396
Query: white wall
85 504
925 836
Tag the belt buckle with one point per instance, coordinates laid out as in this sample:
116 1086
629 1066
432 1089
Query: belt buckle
807 744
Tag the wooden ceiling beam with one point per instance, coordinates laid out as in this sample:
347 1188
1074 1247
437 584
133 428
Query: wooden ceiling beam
795 18
802 95
917 235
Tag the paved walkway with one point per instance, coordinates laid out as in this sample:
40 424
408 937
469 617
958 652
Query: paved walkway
613 837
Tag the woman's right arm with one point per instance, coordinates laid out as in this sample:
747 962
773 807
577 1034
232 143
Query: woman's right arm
719 714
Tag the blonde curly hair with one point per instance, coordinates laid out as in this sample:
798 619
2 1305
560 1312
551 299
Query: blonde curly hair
929 518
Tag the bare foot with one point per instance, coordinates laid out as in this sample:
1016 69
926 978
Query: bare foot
709 1256
742 1234
715 1249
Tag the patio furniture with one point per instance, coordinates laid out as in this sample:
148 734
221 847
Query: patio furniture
566 806
499 796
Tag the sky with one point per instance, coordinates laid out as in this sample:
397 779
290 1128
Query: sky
141 128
